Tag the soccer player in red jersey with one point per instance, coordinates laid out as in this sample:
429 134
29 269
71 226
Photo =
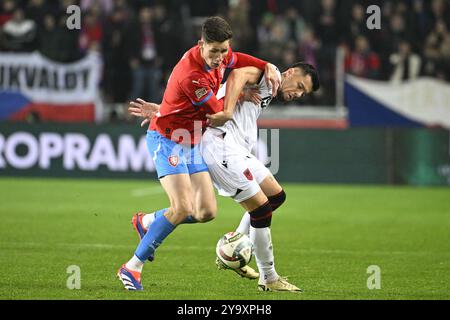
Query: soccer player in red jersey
173 137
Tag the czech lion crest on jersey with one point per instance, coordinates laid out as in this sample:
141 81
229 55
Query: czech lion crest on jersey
173 160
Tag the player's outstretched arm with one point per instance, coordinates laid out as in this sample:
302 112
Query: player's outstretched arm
143 109
270 70
235 84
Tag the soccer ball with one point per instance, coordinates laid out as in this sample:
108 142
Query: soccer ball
234 250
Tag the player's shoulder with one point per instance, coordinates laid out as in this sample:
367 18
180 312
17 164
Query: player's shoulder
192 59
194 76
188 59
192 72
189 72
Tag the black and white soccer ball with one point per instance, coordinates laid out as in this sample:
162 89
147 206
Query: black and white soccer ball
234 250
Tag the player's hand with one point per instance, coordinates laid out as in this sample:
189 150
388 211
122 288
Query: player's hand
143 109
272 79
253 95
218 119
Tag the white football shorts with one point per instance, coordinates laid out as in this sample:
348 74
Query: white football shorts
235 172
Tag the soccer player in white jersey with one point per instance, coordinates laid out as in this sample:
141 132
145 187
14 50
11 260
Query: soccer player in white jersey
237 173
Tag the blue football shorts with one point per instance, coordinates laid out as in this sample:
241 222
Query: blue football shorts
172 158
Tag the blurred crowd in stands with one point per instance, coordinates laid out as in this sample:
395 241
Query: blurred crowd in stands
141 40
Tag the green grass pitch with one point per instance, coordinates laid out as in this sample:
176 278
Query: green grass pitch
325 237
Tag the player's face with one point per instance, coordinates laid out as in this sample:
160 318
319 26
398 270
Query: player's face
214 52
295 85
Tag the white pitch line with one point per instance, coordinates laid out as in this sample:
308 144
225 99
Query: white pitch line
92 246
368 252
193 247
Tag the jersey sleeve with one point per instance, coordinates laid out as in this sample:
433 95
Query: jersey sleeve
237 60
196 87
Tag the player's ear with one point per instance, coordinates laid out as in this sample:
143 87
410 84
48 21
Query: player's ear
290 72
201 42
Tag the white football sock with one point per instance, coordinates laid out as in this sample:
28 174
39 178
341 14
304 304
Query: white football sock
147 220
244 225
262 245
135 264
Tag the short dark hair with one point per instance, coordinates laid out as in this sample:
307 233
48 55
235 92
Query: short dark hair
309 69
216 29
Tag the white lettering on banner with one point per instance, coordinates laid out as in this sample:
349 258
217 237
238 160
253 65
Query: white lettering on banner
51 146
130 157
31 77
22 161
103 154
75 152
2 144
42 80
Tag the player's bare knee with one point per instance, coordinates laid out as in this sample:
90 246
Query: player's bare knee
277 200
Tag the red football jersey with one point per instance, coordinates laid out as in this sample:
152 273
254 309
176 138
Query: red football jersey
191 94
